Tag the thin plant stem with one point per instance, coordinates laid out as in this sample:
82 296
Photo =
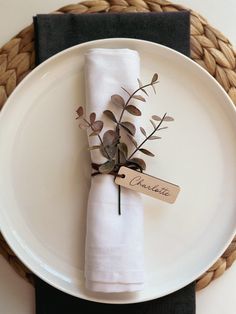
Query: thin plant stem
144 141
118 132
118 162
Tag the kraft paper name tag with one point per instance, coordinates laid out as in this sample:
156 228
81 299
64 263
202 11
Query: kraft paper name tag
148 185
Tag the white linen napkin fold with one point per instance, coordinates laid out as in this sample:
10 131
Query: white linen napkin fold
114 259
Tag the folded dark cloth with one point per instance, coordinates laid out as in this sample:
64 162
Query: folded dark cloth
52 301
54 33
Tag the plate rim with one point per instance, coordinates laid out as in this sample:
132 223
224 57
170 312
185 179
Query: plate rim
7 234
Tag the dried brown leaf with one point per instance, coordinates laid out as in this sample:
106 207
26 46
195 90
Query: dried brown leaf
156 118
133 110
146 152
110 115
143 131
125 90
168 119
153 124
154 137
123 148
118 100
129 127
144 91
104 152
111 150
139 97
107 166
97 126
140 83
153 87
92 117
132 140
163 128
140 162
154 78
109 137
80 111
140 86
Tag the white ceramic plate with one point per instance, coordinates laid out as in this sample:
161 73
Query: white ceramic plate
45 172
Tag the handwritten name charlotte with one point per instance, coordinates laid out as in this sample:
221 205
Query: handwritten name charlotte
138 181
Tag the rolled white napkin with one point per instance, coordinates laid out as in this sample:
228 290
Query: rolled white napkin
114 243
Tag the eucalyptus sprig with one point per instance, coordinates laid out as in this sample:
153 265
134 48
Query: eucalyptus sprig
110 144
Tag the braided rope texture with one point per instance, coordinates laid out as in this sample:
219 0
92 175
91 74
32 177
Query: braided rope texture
209 48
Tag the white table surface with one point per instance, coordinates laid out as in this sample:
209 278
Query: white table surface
17 296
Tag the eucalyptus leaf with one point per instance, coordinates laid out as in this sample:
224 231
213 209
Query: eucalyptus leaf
104 152
146 152
80 111
110 115
139 97
153 124
122 159
154 137
138 161
163 128
154 78
140 86
97 126
153 87
107 166
133 110
132 140
123 148
144 91
140 83
125 90
168 118
109 137
156 118
92 117
111 150
129 127
118 100
143 131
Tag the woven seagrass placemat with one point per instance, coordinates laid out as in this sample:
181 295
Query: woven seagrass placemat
209 48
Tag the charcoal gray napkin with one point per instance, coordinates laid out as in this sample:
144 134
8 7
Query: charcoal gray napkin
54 33
52 301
